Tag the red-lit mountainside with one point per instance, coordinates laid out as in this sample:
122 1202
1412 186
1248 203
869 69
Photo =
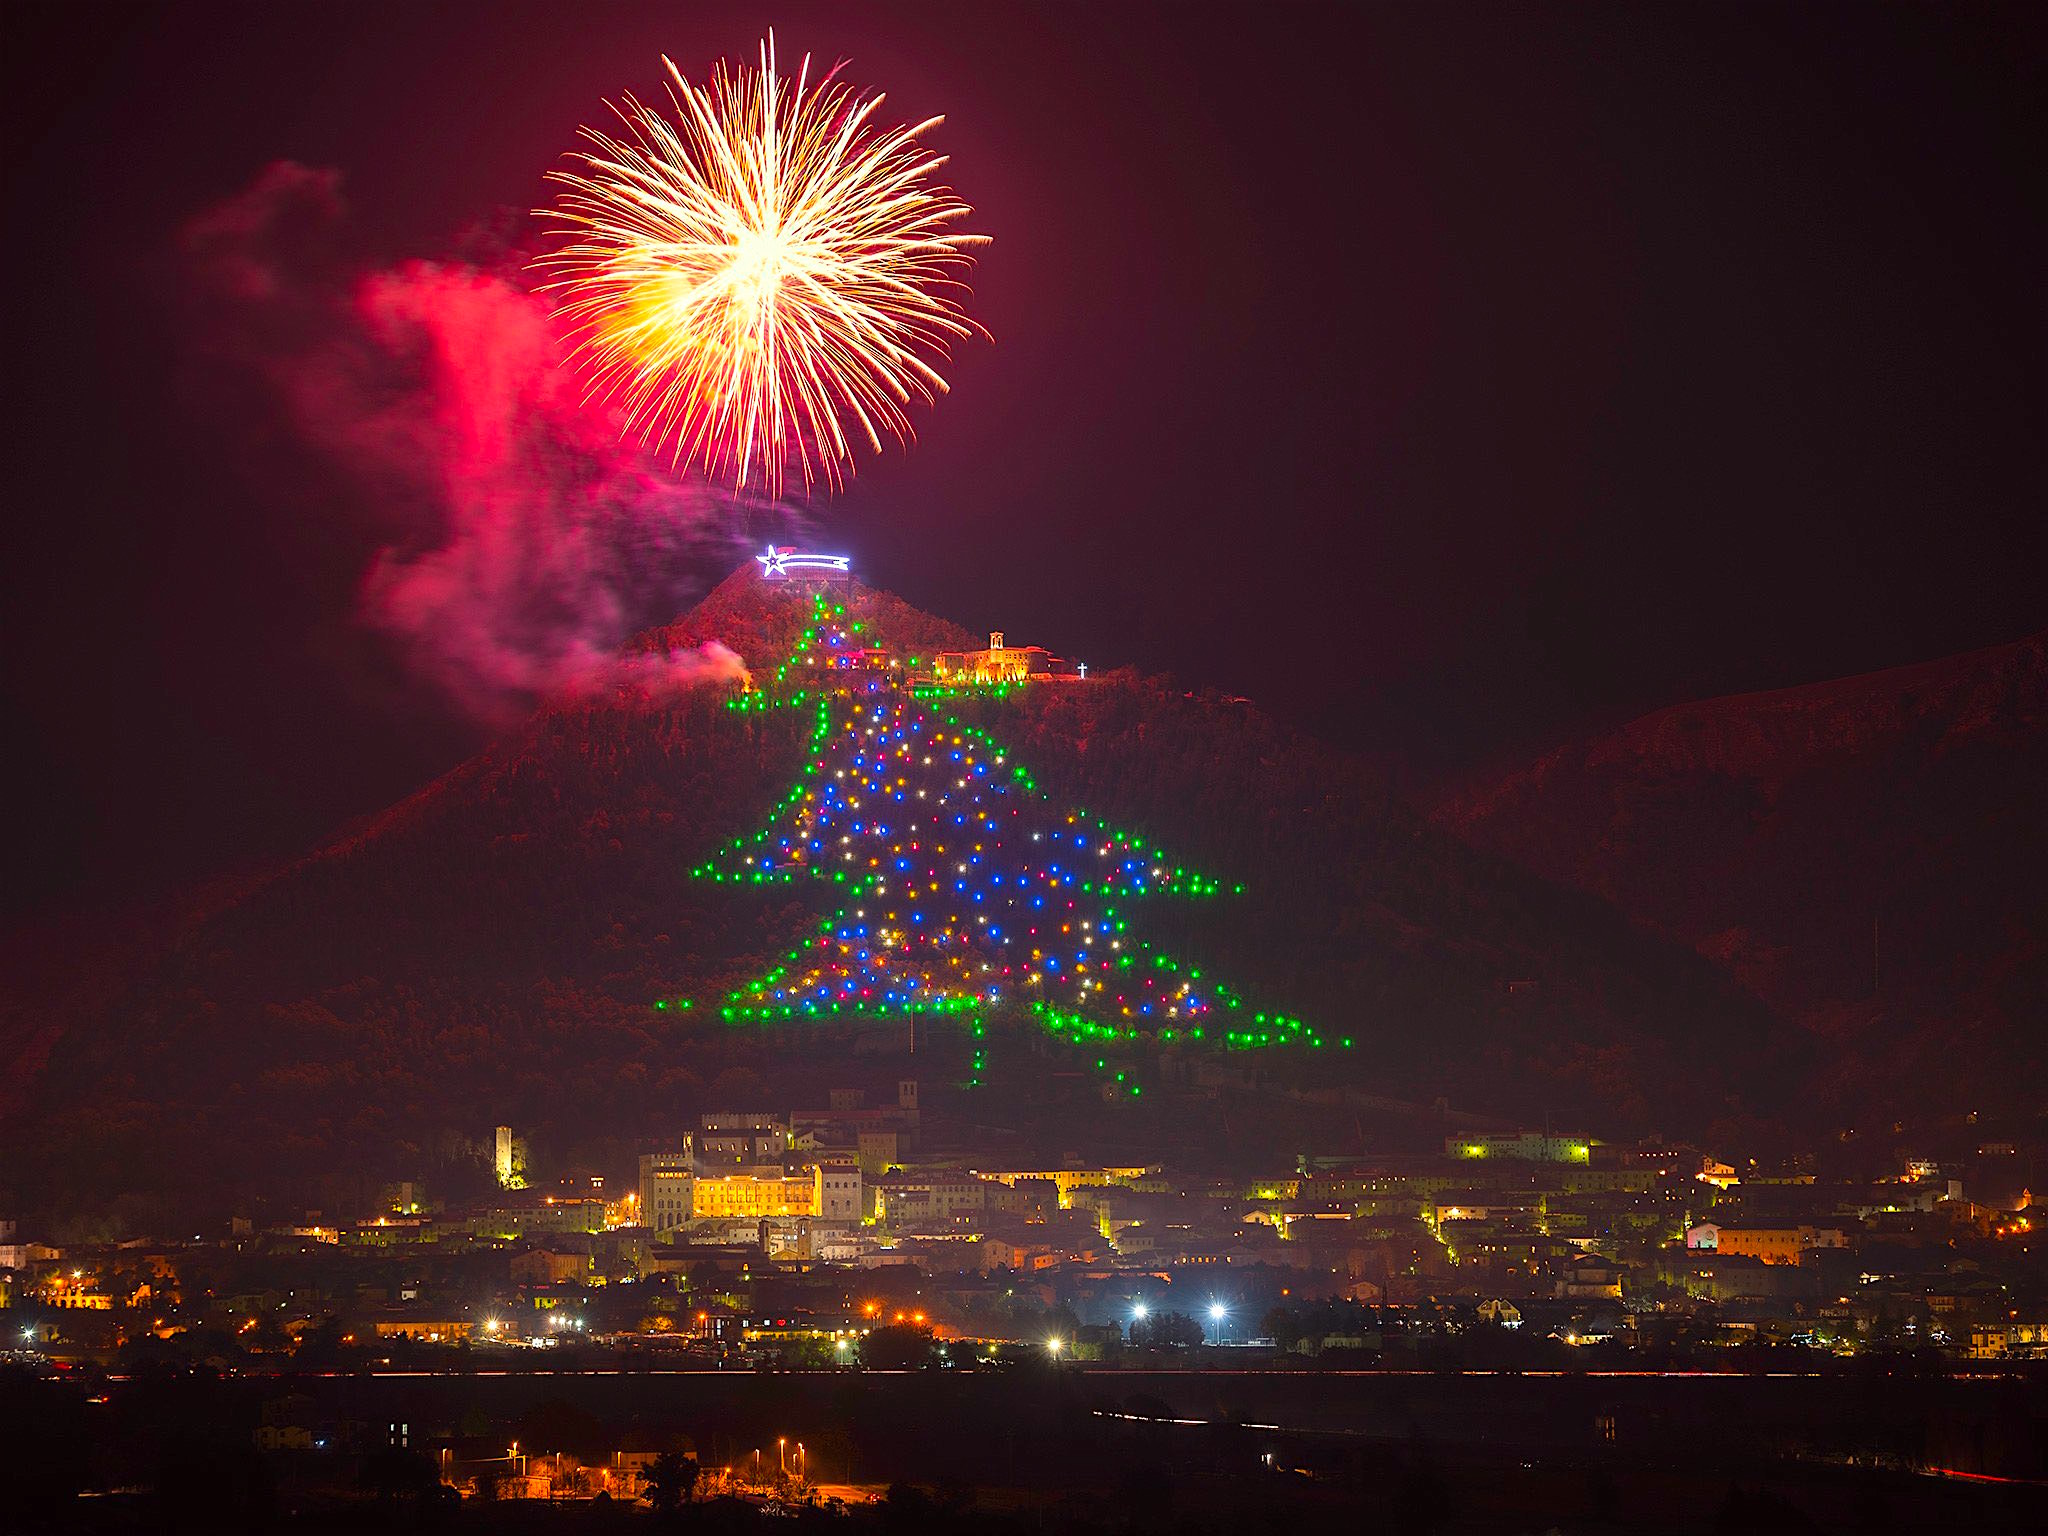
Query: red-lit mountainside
1868 856
490 950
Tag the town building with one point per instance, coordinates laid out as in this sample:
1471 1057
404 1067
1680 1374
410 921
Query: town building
508 1158
667 1189
837 1195
1522 1146
425 1328
1004 664
549 1266
732 1195
1772 1245
737 1139
1067 1180
2009 1341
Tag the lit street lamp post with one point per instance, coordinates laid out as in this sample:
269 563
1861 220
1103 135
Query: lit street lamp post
1217 1313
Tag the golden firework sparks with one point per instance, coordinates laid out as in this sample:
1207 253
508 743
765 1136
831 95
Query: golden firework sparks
770 277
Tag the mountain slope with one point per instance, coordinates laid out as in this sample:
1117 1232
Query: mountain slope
491 950
1865 855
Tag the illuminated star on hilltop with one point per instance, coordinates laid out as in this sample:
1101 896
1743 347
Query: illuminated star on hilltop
779 562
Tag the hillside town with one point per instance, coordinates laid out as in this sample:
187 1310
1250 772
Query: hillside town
790 1236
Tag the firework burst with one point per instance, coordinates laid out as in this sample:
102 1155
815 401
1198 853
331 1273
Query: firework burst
767 279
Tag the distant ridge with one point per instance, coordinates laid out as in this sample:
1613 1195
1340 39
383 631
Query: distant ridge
1866 855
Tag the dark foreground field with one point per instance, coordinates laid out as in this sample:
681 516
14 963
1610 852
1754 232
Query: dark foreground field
1046 1451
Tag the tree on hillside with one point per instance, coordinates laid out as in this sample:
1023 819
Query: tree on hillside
671 1479
555 1424
908 1508
393 1472
1283 1326
1167 1330
897 1347
966 888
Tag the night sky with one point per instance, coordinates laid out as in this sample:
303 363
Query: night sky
1450 381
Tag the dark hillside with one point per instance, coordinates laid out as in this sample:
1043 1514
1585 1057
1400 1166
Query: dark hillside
1865 855
1468 977
492 949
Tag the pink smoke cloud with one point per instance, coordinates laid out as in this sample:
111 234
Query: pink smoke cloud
527 542
656 674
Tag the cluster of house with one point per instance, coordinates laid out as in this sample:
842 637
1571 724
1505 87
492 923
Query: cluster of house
1655 1231
486 1465
757 1215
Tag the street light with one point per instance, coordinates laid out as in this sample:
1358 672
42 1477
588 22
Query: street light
1054 1346
1218 1312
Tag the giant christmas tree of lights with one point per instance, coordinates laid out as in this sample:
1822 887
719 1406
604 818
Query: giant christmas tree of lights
965 887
